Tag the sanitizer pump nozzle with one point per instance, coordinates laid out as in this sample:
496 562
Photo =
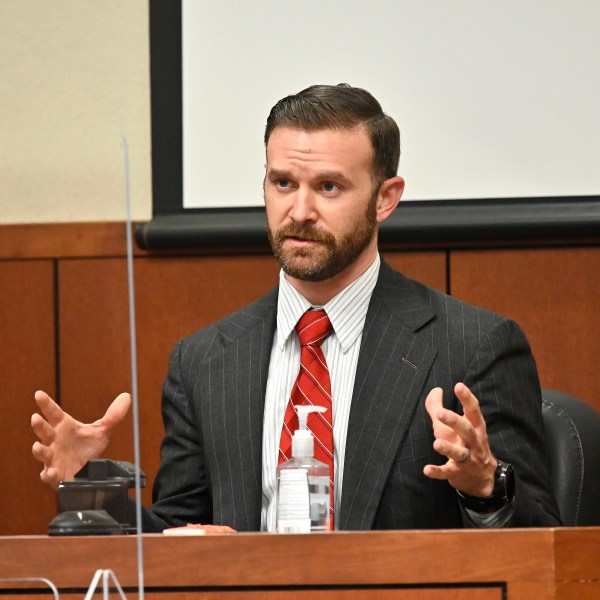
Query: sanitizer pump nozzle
303 442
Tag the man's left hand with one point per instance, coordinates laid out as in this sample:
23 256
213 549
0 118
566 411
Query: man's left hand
463 440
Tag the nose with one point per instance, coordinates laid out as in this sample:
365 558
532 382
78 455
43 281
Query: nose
303 208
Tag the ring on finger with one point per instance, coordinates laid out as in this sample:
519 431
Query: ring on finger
466 459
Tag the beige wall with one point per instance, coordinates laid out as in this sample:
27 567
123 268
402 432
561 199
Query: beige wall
74 73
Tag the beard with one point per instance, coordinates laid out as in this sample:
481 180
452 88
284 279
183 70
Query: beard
331 256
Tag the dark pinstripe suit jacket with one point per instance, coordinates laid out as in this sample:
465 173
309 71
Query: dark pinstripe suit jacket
415 338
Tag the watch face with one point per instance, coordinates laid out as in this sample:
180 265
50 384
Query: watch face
509 482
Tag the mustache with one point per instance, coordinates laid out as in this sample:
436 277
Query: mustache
304 232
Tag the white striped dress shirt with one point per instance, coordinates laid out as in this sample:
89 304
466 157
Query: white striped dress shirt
347 312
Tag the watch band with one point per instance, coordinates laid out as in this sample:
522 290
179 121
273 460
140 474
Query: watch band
503 493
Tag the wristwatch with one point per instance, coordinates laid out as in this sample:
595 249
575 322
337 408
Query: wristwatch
503 493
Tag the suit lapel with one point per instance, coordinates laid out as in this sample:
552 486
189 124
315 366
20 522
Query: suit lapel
390 375
237 375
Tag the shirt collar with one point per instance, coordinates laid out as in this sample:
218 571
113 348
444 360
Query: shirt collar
347 310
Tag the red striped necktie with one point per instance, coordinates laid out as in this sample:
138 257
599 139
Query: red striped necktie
312 387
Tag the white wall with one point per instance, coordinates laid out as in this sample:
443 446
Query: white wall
72 73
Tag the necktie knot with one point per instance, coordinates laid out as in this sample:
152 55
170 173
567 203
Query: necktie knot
313 327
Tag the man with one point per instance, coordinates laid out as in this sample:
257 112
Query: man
436 404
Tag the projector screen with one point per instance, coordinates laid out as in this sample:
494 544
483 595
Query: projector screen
494 100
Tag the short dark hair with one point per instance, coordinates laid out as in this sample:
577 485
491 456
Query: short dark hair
342 107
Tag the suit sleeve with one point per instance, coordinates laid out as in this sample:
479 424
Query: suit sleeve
181 492
503 376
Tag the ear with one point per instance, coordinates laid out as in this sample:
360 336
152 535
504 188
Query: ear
388 197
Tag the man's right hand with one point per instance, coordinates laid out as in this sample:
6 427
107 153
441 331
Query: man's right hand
65 445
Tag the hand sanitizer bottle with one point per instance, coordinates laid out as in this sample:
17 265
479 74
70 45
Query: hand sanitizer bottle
303 483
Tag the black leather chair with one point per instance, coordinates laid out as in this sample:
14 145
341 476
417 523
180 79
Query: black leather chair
573 438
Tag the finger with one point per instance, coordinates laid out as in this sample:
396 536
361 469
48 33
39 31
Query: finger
435 472
457 452
435 408
42 429
52 411
51 477
41 453
461 427
463 458
116 411
470 404
434 403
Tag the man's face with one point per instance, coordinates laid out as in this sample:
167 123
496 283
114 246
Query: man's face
321 206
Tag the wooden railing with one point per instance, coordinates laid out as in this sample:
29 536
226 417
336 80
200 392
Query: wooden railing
535 564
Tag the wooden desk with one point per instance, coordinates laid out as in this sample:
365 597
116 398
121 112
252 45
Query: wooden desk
533 564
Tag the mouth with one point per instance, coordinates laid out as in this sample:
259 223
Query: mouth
301 242
301 237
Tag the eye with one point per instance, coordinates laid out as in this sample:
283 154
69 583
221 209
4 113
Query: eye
283 183
329 186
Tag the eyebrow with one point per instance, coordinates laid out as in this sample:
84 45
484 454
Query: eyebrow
275 174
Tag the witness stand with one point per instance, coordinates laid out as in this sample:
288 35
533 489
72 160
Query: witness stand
515 564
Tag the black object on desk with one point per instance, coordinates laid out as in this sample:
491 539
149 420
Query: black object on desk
97 502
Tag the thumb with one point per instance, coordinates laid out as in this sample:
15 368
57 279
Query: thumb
116 412
434 402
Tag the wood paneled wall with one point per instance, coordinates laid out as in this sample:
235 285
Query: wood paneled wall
64 324
554 294
27 362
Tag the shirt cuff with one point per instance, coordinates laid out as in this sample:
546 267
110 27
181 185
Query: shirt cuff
495 519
